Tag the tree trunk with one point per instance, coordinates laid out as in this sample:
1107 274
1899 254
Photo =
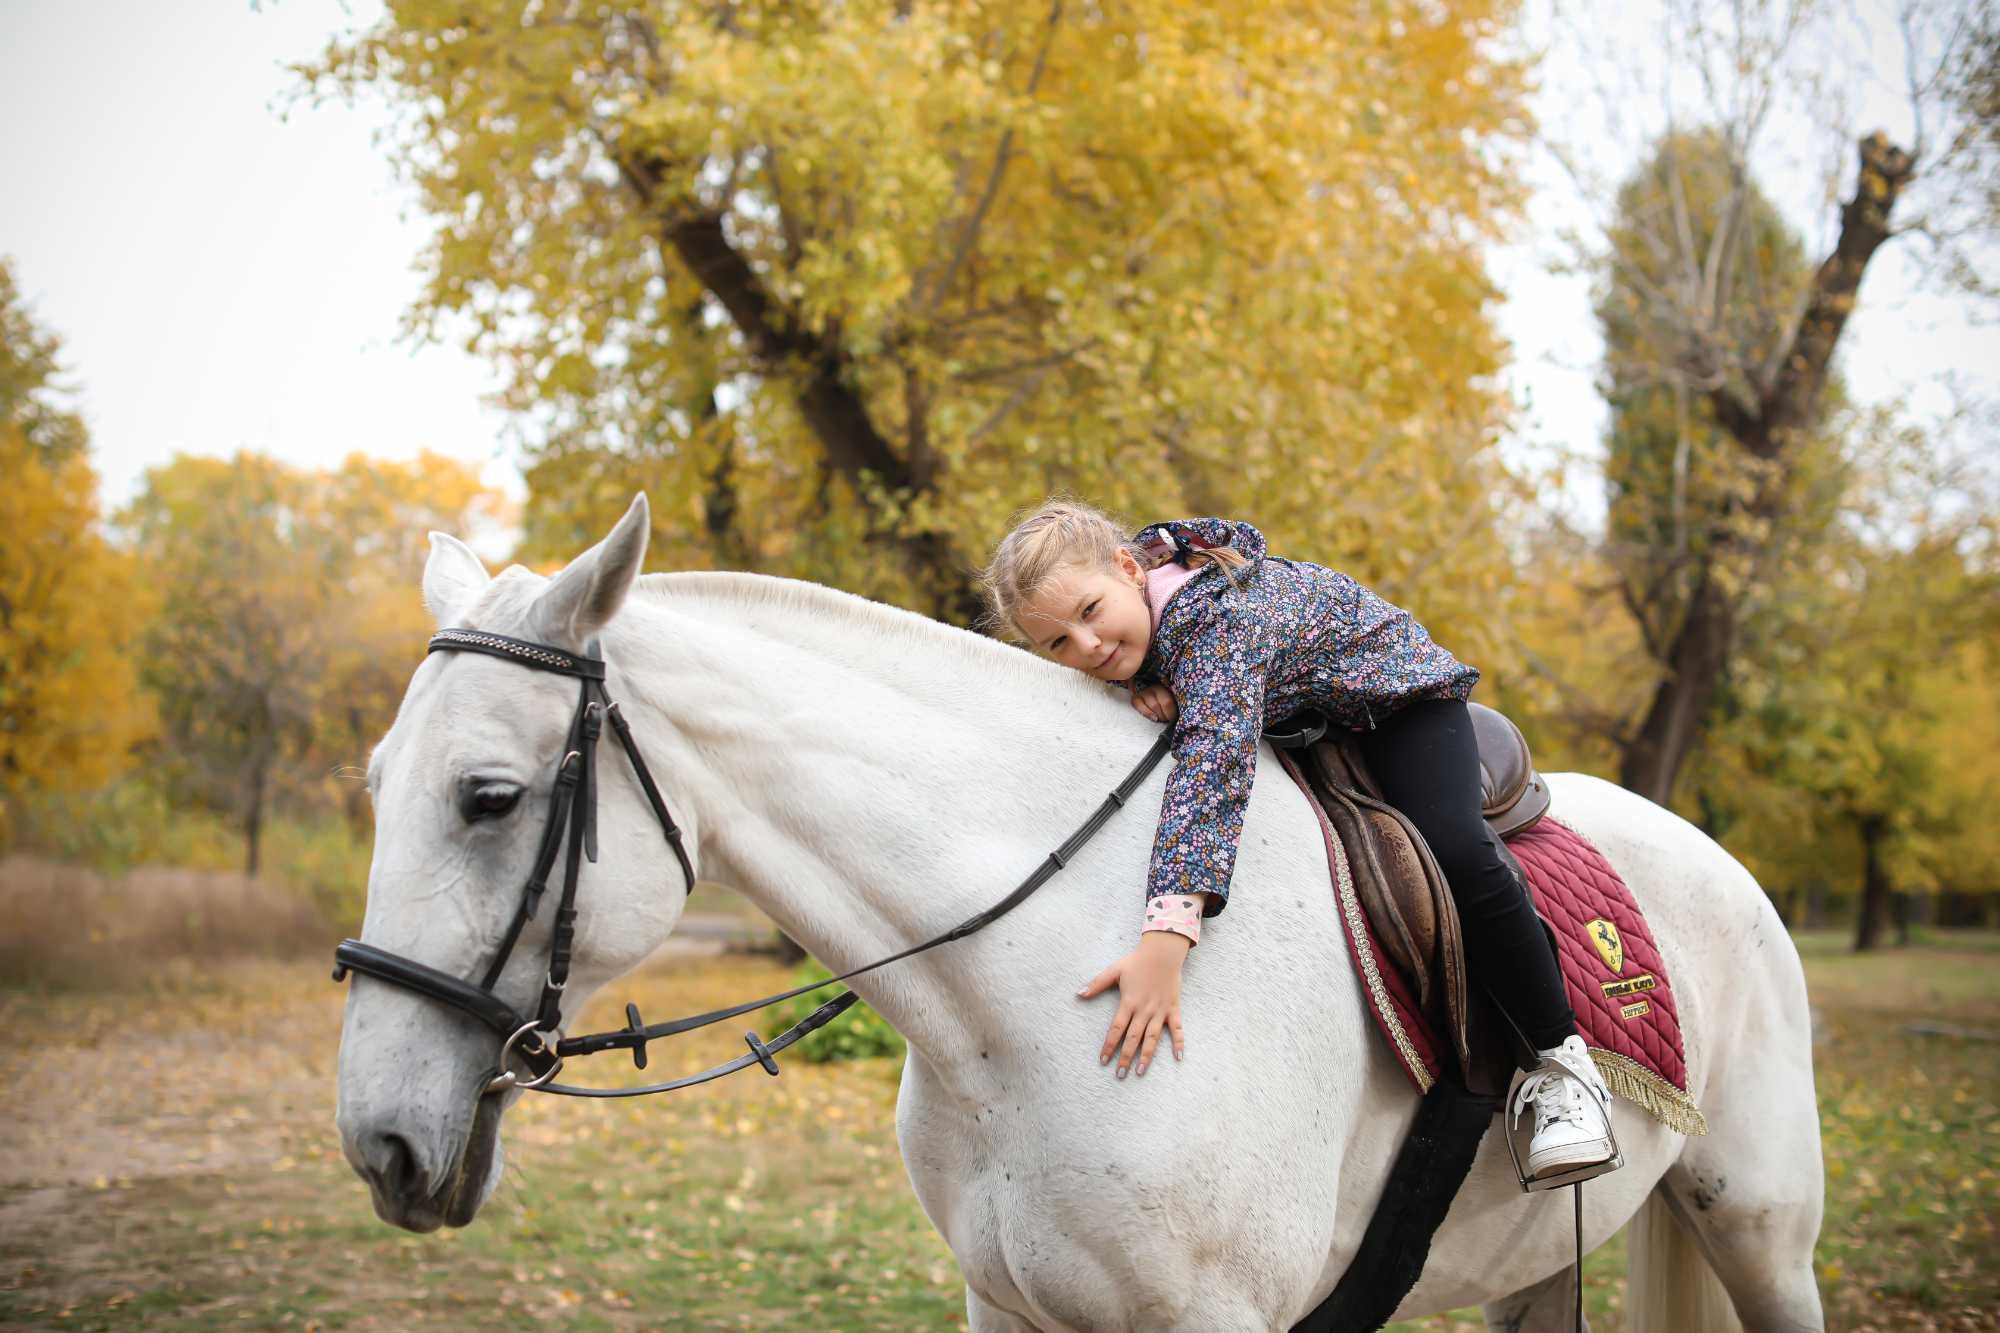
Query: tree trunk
822 372
1787 905
1816 905
1786 404
1652 757
1874 883
719 507
253 815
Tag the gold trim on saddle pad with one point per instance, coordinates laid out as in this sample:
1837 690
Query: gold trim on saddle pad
1364 949
1627 1078
1355 921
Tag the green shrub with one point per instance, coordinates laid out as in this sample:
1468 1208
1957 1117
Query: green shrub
121 826
858 1034
326 862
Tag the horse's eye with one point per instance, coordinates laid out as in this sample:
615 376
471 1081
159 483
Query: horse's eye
487 800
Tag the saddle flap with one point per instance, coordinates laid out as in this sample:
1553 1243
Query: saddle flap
1401 889
1397 882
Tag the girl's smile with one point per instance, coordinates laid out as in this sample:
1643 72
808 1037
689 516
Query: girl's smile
1093 620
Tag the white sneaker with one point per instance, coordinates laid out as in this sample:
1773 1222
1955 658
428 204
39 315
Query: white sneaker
1572 1129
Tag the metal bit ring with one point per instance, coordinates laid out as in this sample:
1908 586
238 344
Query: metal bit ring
507 1078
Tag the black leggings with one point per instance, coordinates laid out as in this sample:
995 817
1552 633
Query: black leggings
1426 761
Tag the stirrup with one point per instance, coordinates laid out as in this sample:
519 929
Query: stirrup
1519 1136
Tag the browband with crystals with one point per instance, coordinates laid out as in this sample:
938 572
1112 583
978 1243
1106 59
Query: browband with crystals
517 650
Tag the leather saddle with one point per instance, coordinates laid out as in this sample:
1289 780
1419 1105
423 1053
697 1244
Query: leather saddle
1404 894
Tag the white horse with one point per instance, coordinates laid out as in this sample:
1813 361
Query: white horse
869 778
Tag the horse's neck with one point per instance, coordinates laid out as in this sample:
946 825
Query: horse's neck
867 778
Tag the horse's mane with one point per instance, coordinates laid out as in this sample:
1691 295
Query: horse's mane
732 593
821 614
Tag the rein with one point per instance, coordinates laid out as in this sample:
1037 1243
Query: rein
573 804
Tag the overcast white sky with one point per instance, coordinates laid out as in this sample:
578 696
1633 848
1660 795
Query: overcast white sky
221 278
224 279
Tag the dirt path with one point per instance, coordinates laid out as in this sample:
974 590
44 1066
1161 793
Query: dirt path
196 1070
172 1162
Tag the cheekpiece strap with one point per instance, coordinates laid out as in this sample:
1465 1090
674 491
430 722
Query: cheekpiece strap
537 655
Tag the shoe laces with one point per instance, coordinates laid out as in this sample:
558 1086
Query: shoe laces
1557 1095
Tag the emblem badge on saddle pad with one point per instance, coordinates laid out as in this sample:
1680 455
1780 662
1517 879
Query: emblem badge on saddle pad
1609 947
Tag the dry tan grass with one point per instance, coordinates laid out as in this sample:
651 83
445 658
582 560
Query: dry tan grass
62 923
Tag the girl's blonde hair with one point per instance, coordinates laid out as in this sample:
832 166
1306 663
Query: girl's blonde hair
1060 533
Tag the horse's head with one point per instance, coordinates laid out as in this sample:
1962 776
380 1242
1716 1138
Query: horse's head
463 786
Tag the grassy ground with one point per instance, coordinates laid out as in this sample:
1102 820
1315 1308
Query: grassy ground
172 1164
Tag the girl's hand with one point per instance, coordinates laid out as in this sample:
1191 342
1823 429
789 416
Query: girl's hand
1149 997
1158 703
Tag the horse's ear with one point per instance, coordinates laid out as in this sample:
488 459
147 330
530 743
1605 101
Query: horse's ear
580 601
453 577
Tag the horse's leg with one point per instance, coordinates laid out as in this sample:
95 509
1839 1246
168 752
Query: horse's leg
983 1317
1758 1241
1751 1191
1547 1307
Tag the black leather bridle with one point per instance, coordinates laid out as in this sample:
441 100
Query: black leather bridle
533 1039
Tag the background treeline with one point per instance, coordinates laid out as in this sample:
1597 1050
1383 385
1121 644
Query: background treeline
190 679
845 286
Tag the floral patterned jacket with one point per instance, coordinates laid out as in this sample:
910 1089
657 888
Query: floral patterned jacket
1262 642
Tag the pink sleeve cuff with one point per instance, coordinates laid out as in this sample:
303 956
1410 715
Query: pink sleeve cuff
1178 912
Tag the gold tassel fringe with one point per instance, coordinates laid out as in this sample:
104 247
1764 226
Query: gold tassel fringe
1643 1088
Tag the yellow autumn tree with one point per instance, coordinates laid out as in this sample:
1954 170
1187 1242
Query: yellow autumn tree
845 284
30 362
1963 693
289 619
1845 750
378 514
70 707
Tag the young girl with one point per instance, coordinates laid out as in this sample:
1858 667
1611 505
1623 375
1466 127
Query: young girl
1213 635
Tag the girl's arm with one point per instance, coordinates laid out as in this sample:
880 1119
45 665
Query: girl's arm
1218 679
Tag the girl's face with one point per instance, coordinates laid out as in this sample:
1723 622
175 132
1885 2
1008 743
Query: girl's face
1092 618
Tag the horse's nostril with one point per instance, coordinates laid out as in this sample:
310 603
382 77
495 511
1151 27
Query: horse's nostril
392 1164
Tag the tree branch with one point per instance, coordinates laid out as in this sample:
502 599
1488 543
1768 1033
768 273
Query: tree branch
969 236
1788 399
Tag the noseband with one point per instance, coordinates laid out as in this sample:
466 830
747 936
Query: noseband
533 1039
572 805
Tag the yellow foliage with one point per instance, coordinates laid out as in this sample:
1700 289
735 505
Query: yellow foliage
845 285
70 706
289 618
1871 697
1580 674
